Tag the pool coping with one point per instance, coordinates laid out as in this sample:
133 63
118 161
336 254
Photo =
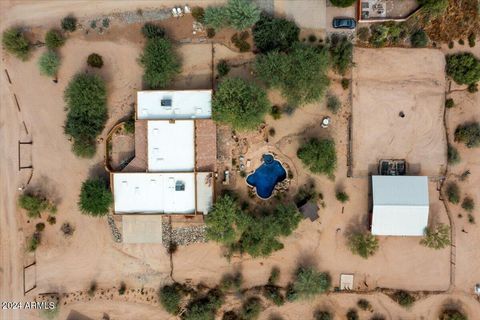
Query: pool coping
255 188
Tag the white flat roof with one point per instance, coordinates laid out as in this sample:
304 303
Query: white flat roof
172 193
181 104
400 205
171 145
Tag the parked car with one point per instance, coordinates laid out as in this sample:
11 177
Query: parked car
344 23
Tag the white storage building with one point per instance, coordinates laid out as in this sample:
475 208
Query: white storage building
400 205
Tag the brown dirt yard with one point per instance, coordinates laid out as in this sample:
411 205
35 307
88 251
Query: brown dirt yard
385 83
68 265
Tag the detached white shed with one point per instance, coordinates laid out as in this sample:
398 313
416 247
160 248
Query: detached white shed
400 205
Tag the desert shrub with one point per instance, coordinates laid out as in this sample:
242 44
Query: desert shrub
352 314
210 33
86 99
453 157
221 220
160 63
450 45
54 39
93 24
272 293
129 125
464 68
67 229
419 39
363 244
472 87
333 103
453 193
204 308
242 14
198 13
95 198
364 304
341 53
33 242
15 42
301 75
170 297
363 33
48 63
312 38
276 112
469 134
231 281
95 60
40 226
468 204
274 276
437 237
271 33
69 23
452 314
240 41
152 31
387 33
403 298
92 289
449 103
310 282
323 315
231 315
51 220
471 40
223 68
251 309
461 42
106 23
35 205
239 103
433 7
122 289
342 196
342 3
471 218
345 83
271 132
319 156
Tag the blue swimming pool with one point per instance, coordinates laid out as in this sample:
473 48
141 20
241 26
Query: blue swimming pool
267 176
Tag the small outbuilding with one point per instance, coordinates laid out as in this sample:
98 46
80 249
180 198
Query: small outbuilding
400 205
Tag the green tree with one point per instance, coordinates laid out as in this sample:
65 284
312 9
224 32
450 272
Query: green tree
419 39
242 14
468 204
251 309
54 39
436 238
216 17
170 297
221 221
48 63
310 282
362 243
271 33
403 298
69 23
239 103
469 134
333 103
319 156
352 314
301 75
342 3
464 68
86 99
453 156
35 205
341 53
160 63
204 308
433 7
15 42
223 68
198 13
342 196
95 198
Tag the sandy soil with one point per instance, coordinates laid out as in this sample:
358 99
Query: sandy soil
387 82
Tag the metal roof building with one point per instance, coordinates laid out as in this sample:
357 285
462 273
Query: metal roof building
400 205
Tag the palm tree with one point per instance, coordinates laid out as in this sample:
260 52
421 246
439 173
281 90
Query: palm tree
363 243
437 238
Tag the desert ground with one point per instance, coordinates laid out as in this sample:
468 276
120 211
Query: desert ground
69 265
